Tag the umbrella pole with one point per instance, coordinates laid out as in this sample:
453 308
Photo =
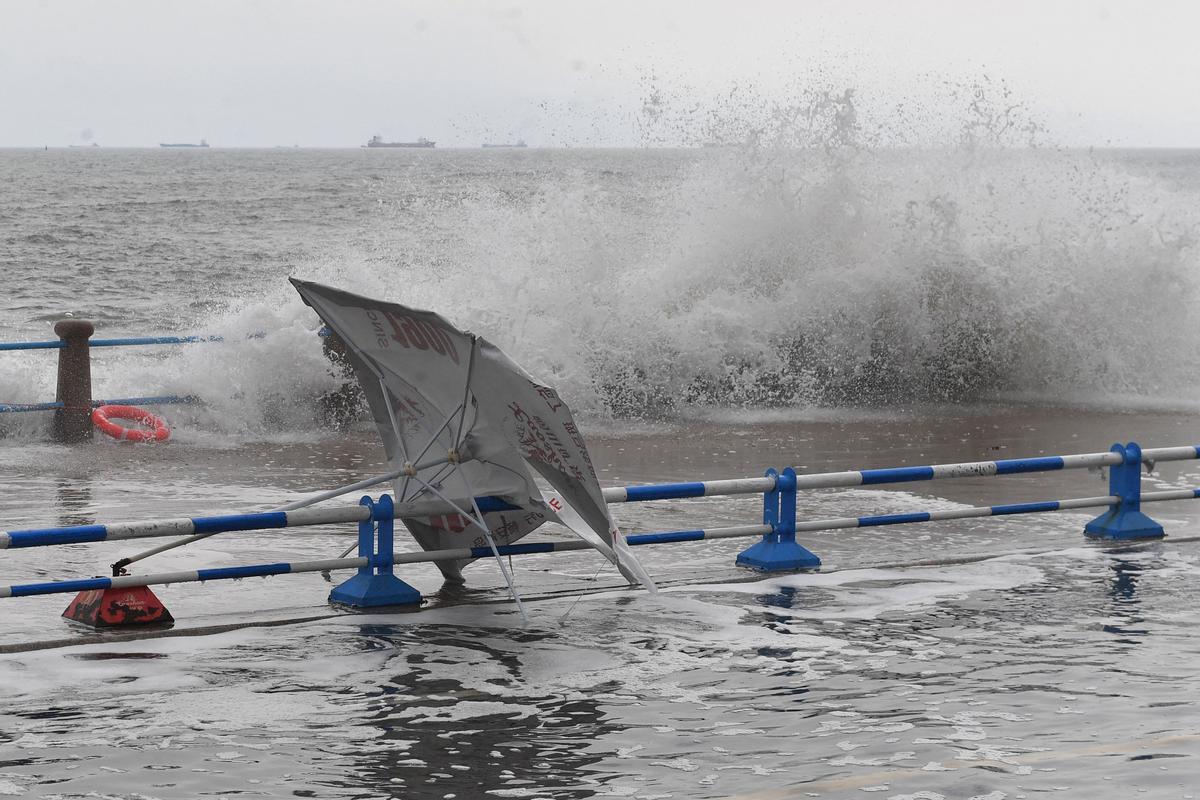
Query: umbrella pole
466 392
387 401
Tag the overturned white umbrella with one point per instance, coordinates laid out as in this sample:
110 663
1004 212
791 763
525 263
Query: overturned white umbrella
460 420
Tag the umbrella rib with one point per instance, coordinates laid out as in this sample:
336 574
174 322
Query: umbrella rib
437 433
460 410
387 401
386 395
466 392
363 484
512 585
487 534
437 478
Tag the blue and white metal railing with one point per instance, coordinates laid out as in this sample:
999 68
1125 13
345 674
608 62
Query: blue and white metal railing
132 341
875 477
183 526
777 551
182 576
365 563
152 400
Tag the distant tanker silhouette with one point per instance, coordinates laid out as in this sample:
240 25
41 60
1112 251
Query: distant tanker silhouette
377 141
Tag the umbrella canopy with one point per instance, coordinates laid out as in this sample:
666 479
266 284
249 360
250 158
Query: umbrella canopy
459 421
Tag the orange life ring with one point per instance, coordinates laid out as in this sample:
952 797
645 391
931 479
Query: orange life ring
103 417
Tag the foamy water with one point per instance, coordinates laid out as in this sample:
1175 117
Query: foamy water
642 283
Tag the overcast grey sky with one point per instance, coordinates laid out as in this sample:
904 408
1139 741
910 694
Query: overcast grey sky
270 72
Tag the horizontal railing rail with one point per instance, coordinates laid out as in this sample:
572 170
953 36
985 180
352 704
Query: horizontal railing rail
223 523
57 344
181 526
875 477
152 400
132 341
183 576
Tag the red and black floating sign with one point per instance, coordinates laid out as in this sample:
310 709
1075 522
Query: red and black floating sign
115 608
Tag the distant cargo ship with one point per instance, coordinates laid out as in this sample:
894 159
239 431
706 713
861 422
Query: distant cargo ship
377 141
203 143
519 143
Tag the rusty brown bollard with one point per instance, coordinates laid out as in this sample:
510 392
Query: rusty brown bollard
73 422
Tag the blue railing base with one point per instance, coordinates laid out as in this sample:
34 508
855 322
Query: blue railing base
1119 523
373 591
1125 520
375 585
778 557
779 551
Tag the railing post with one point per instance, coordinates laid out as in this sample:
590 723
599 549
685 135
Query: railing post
375 585
771 506
366 536
385 521
1125 520
778 551
787 505
73 422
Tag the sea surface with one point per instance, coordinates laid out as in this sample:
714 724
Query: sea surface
708 313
